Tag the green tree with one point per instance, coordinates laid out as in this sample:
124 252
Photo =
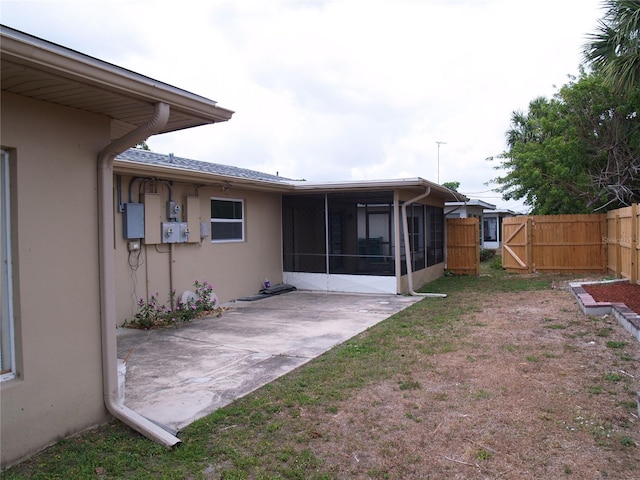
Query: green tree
142 146
615 47
575 153
452 185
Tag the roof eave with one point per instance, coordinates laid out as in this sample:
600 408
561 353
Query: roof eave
35 53
385 184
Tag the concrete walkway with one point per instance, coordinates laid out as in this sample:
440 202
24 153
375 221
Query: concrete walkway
176 376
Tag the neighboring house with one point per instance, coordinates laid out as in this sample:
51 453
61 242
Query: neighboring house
492 227
470 209
89 226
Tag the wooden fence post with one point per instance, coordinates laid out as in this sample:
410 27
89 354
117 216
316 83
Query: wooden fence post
603 237
618 245
530 266
635 252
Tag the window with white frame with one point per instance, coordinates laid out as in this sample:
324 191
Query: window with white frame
7 348
227 220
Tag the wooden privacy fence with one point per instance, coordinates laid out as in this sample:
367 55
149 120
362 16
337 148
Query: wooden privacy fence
574 243
554 243
463 246
623 244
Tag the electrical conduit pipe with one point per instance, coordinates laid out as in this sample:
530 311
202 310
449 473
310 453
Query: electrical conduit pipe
407 245
107 277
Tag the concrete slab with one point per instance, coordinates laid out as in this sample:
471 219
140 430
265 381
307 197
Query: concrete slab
176 376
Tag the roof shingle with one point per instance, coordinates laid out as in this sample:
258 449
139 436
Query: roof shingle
151 158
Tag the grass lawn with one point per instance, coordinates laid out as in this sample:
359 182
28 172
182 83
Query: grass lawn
289 430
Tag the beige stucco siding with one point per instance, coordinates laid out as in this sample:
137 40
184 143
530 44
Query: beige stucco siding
59 387
236 269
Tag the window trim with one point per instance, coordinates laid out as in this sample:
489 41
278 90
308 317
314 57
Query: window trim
5 256
241 221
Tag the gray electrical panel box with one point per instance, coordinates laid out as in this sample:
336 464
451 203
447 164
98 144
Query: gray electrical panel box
133 220
175 232
173 210
170 232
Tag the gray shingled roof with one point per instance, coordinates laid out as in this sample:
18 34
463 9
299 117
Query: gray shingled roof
151 158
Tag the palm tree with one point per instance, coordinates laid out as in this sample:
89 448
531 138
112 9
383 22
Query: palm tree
615 48
527 127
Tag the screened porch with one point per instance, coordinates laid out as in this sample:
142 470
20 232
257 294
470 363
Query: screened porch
343 234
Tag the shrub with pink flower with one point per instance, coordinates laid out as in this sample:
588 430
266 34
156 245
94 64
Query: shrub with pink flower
151 314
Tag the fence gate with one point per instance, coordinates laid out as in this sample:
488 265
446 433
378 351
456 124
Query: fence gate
463 246
516 244
554 243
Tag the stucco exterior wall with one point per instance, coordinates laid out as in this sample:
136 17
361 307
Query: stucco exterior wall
236 269
58 389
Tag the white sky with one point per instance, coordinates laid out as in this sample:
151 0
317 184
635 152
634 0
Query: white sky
342 89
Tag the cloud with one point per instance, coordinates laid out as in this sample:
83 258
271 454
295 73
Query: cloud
337 90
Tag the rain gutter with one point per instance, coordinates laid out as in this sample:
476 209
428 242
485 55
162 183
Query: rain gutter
107 277
407 245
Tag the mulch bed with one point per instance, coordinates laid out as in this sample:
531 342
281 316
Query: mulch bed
616 292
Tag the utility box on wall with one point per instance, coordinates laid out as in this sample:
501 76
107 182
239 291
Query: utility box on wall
173 210
170 232
175 232
192 216
153 217
133 221
184 231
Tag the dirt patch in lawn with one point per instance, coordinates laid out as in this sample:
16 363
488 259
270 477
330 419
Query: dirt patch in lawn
616 292
534 389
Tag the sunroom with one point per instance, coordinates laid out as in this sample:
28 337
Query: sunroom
383 237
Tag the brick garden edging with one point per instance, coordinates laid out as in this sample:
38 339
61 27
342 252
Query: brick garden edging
629 319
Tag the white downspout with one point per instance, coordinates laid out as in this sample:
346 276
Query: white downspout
407 245
107 277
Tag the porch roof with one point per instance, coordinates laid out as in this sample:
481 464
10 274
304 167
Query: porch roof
416 185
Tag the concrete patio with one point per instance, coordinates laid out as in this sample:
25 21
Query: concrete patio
175 376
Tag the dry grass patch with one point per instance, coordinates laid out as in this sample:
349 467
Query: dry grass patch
513 400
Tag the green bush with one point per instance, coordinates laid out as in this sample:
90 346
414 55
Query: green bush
496 263
486 254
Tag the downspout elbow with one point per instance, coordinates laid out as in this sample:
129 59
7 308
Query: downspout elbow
107 278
